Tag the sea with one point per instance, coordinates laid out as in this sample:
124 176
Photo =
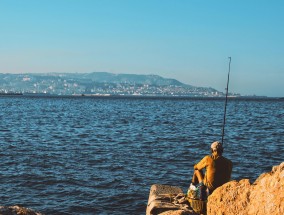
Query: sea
100 155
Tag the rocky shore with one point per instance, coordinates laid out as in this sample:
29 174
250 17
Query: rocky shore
263 197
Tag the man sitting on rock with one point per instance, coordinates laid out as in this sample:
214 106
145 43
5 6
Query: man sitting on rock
218 169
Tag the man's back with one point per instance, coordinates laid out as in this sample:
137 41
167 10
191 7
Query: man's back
218 171
223 170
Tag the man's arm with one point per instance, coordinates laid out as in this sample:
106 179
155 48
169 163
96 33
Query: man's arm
202 164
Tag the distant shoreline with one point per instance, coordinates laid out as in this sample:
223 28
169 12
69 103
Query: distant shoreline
139 96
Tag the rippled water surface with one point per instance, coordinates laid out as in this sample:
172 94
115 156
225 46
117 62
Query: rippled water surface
101 155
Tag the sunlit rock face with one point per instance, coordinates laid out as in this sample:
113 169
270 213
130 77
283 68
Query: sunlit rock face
264 197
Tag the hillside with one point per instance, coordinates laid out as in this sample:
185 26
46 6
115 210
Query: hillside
100 83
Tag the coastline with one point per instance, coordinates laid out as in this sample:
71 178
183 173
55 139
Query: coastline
48 95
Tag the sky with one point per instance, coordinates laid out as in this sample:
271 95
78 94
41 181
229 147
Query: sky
188 40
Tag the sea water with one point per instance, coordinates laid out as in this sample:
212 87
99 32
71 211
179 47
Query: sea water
92 155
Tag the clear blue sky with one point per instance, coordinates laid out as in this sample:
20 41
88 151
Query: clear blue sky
189 40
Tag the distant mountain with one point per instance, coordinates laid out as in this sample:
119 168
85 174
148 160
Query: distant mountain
100 83
106 77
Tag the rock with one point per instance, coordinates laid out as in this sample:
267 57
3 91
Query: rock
17 210
167 200
176 212
264 197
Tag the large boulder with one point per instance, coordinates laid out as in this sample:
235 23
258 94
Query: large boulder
264 197
167 200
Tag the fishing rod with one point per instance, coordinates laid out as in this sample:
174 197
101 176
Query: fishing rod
225 110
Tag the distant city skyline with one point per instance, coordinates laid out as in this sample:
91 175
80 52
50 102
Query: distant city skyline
187 40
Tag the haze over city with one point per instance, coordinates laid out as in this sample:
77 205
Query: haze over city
188 40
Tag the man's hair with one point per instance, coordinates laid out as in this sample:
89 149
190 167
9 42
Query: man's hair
219 151
217 147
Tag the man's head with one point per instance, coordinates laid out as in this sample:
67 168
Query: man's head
217 147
